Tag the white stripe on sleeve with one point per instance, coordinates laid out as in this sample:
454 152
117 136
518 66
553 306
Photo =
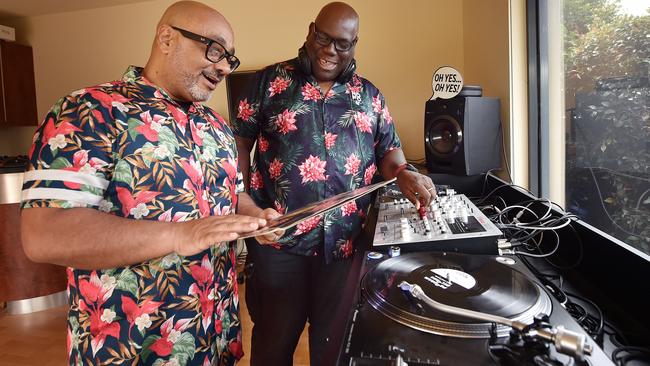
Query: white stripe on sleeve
66 176
62 194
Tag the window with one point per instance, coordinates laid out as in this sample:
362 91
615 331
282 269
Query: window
604 118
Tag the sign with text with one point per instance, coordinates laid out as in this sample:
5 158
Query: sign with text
447 83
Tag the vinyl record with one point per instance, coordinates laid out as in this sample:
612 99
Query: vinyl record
473 282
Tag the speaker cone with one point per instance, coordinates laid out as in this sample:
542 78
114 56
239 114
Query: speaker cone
444 136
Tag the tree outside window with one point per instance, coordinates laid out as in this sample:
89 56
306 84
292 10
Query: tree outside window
607 95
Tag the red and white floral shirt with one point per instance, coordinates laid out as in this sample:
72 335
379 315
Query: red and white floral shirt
128 149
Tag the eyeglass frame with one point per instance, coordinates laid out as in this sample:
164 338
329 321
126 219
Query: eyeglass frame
331 39
233 61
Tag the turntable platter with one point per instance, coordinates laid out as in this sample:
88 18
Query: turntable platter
480 283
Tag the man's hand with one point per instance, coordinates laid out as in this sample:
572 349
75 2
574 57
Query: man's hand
270 214
194 236
416 187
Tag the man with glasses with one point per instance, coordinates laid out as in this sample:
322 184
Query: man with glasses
133 186
320 129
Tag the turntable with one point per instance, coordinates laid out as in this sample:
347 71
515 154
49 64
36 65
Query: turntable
429 308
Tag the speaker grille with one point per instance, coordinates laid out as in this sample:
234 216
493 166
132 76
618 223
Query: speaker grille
445 137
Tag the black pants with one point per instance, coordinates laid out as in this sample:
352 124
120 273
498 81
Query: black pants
285 290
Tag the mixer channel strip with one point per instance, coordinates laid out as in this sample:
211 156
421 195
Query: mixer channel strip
450 223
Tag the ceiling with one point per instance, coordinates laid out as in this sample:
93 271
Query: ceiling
29 8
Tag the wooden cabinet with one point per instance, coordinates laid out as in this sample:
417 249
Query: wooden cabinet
17 86
21 278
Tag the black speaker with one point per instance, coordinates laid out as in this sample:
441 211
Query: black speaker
462 135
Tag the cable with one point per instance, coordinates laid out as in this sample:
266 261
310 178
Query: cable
542 255
480 201
638 202
600 198
556 290
634 353
543 227
598 331
499 187
580 253
526 228
503 150
485 180
614 172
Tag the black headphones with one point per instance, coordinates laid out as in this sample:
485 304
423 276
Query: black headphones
305 66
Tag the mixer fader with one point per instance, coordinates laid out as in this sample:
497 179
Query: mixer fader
451 223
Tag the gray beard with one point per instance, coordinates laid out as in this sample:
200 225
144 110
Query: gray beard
198 94
190 82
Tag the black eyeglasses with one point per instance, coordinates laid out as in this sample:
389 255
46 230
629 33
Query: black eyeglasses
214 51
341 45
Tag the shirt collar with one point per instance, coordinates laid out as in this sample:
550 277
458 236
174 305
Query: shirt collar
133 74
336 87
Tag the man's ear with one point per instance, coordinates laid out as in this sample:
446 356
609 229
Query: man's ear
312 24
165 38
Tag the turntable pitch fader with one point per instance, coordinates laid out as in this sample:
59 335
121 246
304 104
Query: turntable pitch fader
451 223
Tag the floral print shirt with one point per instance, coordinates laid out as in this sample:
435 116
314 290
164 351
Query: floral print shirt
128 149
311 146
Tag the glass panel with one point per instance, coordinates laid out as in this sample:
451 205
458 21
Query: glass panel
607 94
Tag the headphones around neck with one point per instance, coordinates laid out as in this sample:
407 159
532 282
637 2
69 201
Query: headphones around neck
305 66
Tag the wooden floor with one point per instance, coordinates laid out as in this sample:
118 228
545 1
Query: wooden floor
38 339
33 339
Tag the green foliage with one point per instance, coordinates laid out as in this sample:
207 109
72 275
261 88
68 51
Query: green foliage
600 43
611 125
579 15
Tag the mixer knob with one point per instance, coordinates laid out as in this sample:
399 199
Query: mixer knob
451 217
405 232
463 215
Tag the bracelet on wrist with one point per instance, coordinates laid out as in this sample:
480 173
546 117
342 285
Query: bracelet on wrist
402 167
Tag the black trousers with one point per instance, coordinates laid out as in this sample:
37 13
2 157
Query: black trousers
283 292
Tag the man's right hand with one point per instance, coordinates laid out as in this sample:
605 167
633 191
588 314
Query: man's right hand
194 236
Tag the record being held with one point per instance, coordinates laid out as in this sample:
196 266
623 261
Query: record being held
313 209
485 284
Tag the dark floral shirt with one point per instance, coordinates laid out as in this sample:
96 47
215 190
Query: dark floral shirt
312 146
126 148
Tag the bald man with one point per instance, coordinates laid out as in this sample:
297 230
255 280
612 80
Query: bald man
133 186
321 130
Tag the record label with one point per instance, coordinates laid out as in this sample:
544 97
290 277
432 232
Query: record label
452 276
